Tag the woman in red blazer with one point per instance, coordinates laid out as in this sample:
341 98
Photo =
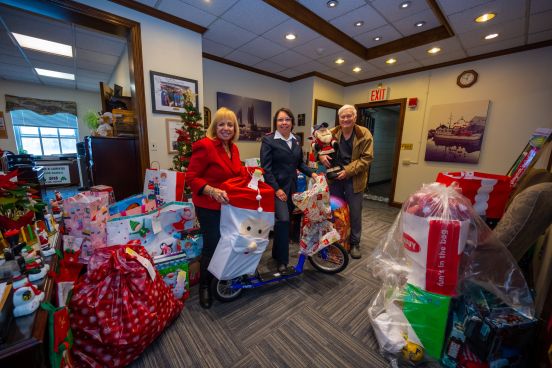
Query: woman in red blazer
214 160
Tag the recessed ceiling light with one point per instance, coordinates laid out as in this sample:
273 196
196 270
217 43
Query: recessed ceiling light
491 36
434 50
290 36
391 61
377 38
404 4
420 24
485 17
54 74
43 45
332 3
339 61
357 69
359 23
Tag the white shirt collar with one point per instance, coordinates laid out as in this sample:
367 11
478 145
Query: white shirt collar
277 135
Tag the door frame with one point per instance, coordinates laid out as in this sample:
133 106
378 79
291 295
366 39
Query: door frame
402 103
81 14
327 104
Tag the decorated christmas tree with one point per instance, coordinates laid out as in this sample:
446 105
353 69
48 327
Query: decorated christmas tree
191 131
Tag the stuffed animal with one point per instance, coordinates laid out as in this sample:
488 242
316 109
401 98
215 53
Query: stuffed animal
324 143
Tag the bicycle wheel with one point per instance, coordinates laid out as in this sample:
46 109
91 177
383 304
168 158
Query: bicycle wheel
332 259
223 290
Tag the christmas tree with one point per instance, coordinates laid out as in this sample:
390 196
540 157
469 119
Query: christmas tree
191 131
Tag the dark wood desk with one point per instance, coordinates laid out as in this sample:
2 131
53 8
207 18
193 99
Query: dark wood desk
26 344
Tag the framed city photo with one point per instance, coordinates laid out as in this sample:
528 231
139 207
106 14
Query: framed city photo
168 93
172 135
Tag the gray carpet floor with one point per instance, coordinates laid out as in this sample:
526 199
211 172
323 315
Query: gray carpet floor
314 320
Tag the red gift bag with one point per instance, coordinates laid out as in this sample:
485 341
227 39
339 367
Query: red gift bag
119 308
488 193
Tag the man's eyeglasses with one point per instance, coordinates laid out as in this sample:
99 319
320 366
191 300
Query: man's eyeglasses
281 120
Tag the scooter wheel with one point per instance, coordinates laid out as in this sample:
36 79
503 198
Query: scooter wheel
332 259
223 290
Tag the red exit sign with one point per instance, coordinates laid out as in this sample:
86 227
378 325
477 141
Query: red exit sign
379 94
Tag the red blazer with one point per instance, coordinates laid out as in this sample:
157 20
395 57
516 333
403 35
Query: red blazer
211 165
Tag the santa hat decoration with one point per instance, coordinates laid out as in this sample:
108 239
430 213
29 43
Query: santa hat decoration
241 194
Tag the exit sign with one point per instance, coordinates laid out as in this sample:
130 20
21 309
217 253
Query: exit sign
379 94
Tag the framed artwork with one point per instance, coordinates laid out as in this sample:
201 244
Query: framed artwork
253 115
456 132
206 117
300 119
168 93
3 129
172 135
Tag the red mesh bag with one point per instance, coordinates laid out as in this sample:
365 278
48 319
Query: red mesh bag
119 307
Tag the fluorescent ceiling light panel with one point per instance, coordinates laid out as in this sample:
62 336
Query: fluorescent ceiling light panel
54 74
39 44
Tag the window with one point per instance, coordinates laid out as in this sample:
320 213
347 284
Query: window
45 135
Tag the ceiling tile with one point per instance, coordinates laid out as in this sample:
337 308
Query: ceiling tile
371 18
20 77
255 16
53 66
150 3
402 58
335 74
186 12
96 57
349 58
539 37
365 66
391 10
407 26
303 33
506 30
12 59
312 66
36 26
506 10
540 22
88 87
89 75
350 78
269 66
228 34
99 42
443 57
495 46
15 70
325 12
37 57
262 48
243 58
387 34
317 48
95 67
538 6
449 7
215 7
448 45
289 73
215 48
290 59
56 82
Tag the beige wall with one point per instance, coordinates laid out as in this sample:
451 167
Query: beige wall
85 101
519 87
224 78
302 102
166 48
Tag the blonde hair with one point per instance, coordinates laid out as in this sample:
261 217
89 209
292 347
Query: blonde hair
223 114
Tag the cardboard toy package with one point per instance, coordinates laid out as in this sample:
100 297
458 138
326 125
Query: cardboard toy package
174 270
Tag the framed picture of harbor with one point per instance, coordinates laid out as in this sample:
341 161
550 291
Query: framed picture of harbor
456 132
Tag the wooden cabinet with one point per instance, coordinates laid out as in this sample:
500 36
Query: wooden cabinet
114 161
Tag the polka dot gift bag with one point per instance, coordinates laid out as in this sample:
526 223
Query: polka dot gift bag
119 307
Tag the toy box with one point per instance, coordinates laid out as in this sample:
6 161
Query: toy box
174 270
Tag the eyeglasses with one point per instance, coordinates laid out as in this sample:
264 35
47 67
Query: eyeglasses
281 120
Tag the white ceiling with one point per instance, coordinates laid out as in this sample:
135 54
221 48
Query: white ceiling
251 32
96 54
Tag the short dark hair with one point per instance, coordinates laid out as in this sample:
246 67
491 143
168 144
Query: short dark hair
288 112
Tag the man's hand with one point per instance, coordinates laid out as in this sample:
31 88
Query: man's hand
341 176
325 160
281 195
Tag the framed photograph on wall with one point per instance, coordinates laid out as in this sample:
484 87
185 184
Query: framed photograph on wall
168 93
253 115
172 135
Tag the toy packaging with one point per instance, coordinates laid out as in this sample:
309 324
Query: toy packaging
134 205
174 271
245 223
435 252
325 144
120 307
159 231
341 220
164 186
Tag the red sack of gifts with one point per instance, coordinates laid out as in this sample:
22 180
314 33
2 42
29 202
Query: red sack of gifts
488 193
119 308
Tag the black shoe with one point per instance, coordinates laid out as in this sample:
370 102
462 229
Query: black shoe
282 268
355 251
205 297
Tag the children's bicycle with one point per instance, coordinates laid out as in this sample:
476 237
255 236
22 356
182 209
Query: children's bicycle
331 259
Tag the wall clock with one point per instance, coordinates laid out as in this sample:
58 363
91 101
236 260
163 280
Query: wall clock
467 78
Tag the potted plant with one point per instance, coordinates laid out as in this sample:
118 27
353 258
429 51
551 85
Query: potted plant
18 202
92 120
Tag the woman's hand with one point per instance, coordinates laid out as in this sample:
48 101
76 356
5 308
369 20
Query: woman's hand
314 176
218 195
281 195
342 175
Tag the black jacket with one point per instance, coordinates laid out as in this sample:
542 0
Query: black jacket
280 163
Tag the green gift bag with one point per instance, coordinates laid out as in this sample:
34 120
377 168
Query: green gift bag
427 313
60 337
